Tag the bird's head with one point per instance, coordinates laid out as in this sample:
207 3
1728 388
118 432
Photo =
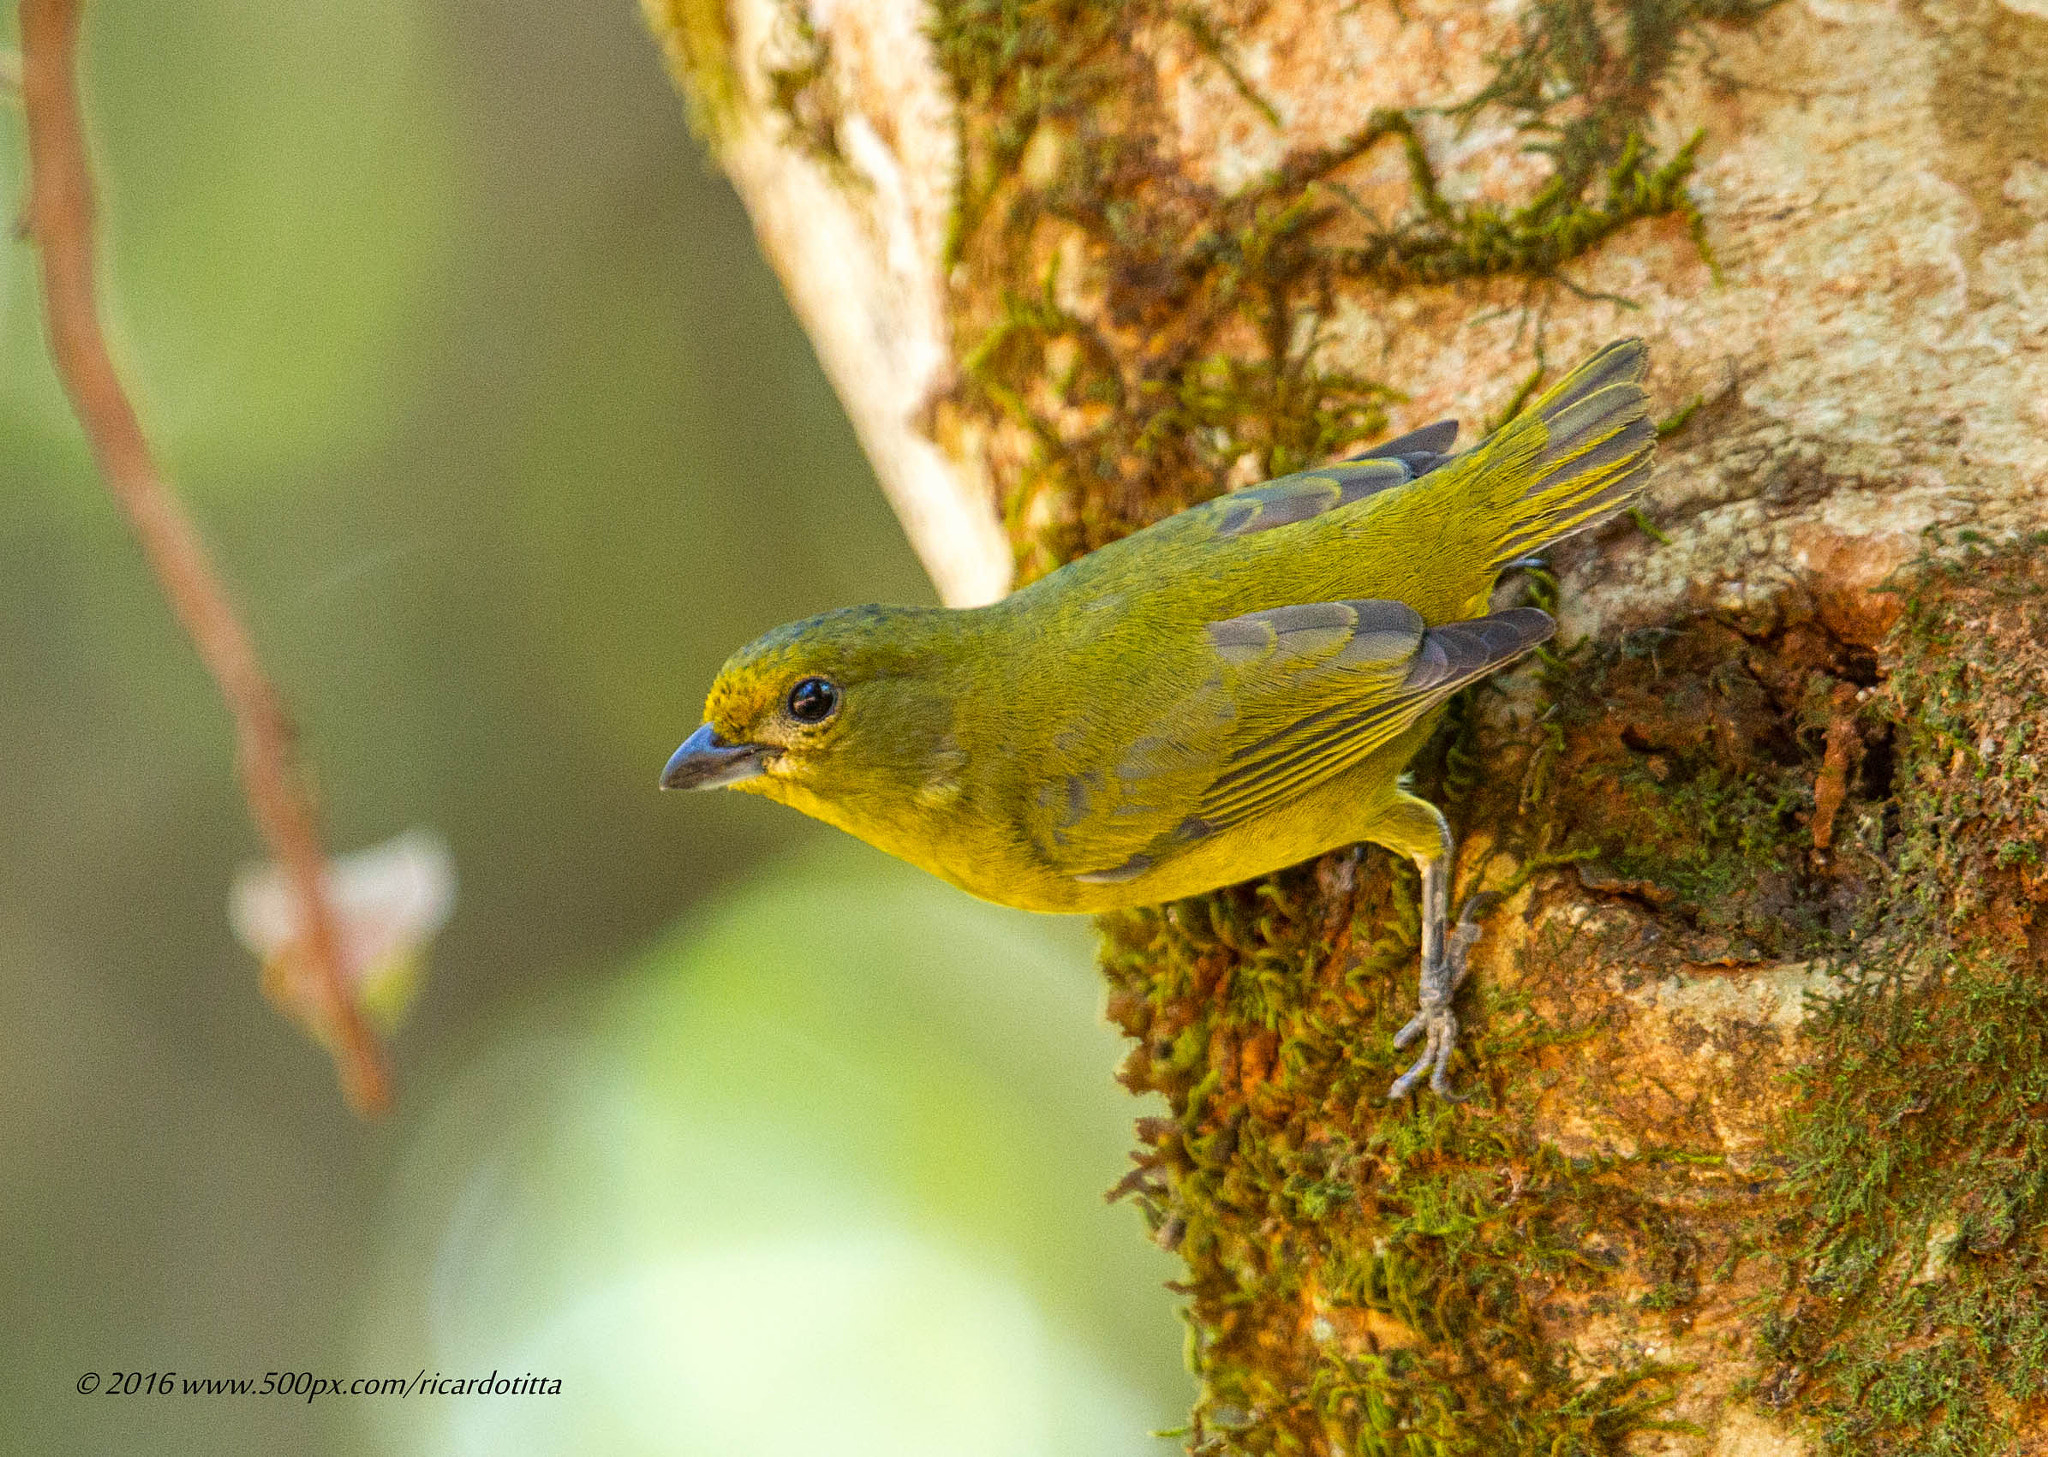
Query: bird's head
839 715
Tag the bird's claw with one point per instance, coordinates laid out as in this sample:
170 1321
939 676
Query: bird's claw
1439 984
1442 1027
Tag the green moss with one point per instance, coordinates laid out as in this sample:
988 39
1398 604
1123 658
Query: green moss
1444 242
1364 1277
1723 832
696 36
1204 360
1016 65
798 70
1307 1210
1914 1316
1686 760
1202 31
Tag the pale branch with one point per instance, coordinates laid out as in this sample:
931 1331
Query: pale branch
59 219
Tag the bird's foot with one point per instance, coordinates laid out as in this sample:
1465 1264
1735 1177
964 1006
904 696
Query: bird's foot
1435 1018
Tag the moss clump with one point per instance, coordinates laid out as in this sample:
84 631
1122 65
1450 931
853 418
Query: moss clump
1690 764
798 69
696 36
1201 353
1615 58
1017 66
1360 1279
1914 1316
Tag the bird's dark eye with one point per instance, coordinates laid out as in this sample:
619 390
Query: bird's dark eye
813 701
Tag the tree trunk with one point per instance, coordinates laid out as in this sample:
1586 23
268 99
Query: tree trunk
1755 1160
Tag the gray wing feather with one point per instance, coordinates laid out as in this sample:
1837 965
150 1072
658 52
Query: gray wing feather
1458 652
1366 630
1625 362
1308 494
1304 495
1422 451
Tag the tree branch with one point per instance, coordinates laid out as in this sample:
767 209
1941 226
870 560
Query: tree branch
59 219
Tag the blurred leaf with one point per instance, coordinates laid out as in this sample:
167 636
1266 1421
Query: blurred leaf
391 901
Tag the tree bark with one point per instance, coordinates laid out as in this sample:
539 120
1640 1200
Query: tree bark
1755 1161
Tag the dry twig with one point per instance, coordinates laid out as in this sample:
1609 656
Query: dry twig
59 218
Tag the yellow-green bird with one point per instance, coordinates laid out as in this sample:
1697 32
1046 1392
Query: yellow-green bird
1232 690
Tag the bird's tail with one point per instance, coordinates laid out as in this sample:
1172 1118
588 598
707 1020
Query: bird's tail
1576 456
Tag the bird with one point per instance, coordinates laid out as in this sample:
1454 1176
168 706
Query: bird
1235 689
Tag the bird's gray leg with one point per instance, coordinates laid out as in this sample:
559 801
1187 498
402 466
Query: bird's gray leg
1444 953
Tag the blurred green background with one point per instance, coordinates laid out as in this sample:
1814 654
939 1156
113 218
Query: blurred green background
504 436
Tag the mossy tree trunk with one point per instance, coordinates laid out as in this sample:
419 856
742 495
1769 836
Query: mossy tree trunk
1757 1160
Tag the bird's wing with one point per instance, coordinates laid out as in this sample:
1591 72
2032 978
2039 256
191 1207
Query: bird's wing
1310 493
1298 497
1284 700
1422 451
1355 702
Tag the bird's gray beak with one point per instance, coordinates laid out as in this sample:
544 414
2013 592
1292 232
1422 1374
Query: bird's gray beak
705 761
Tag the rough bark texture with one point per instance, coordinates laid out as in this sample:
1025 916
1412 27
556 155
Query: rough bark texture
1756 1162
